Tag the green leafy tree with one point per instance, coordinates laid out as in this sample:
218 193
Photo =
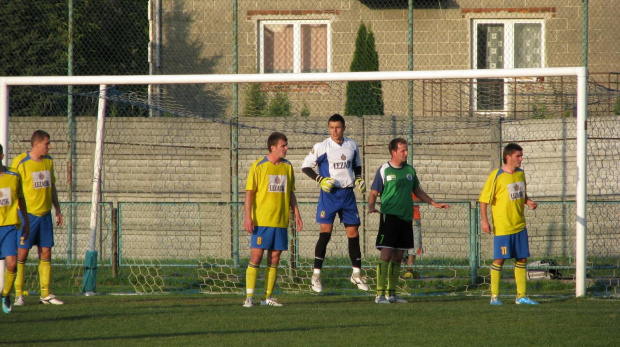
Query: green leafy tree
33 36
256 101
365 97
279 106
110 37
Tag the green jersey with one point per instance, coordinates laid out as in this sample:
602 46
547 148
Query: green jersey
395 186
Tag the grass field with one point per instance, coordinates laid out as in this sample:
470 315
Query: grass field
310 320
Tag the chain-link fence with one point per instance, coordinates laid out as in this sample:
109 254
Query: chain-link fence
176 156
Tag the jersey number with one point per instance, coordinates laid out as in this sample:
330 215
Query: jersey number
259 240
381 241
22 241
504 250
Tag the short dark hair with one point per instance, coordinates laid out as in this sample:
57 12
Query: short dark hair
37 136
336 118
509 149
274 138
395 142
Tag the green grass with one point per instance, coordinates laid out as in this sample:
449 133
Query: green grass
311 320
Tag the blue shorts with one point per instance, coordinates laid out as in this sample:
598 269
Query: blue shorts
269 238
340 201
513 246
41 232
8 241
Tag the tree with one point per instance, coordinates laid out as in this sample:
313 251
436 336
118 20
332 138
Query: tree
365 97
256 101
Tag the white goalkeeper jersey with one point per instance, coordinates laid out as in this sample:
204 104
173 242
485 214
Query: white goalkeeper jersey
335 160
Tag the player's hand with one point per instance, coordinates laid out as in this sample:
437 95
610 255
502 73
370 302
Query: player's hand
486 227
531 204
361 184
372 209
59 220
25 231
248 225
326 183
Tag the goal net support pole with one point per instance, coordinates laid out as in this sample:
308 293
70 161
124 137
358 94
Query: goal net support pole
90 263
579 72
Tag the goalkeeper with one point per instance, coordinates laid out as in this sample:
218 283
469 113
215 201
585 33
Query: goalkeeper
339 171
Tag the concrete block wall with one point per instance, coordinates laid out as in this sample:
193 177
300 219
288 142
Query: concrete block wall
184 165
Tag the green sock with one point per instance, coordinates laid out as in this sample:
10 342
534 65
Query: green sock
382 273
393 274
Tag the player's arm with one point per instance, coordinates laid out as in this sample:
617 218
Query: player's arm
248 224
484 218
298 222
21 201
421 194
56 205
372 200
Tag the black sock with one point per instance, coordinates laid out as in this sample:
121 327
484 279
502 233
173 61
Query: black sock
321 249
354 252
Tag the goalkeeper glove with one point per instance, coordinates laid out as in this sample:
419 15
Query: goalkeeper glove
360 183
326 183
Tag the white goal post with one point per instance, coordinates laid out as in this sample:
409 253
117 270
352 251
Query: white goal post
580 73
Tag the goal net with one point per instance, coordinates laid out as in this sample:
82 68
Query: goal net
177 149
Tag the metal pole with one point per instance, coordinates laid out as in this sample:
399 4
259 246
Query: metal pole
582 180
4 119
70 138
410 84
234 157
94 209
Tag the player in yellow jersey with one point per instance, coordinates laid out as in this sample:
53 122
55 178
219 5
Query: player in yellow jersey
36 169
269 197
11 197
506 191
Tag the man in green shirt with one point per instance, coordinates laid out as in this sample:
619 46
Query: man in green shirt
394 182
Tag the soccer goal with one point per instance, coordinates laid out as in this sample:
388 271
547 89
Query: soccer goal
158 196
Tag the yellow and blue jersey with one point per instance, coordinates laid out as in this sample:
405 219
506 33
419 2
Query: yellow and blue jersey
9 195
272 186
506 194
37 179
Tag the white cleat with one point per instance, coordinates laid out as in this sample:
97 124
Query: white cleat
381 299
249 302
316 283
270 302
19 301
51 300
395 299
357 279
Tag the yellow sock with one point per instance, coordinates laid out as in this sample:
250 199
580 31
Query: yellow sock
393 274
382 273
250 279
9 279
19 278
45 274
496 275
520 279
271 274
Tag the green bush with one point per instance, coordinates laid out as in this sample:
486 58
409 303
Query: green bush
279 106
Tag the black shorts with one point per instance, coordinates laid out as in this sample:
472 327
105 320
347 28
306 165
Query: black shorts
394 233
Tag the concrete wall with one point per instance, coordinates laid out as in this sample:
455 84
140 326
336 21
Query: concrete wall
174 175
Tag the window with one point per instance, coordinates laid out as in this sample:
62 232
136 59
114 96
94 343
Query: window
294 46
504 44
